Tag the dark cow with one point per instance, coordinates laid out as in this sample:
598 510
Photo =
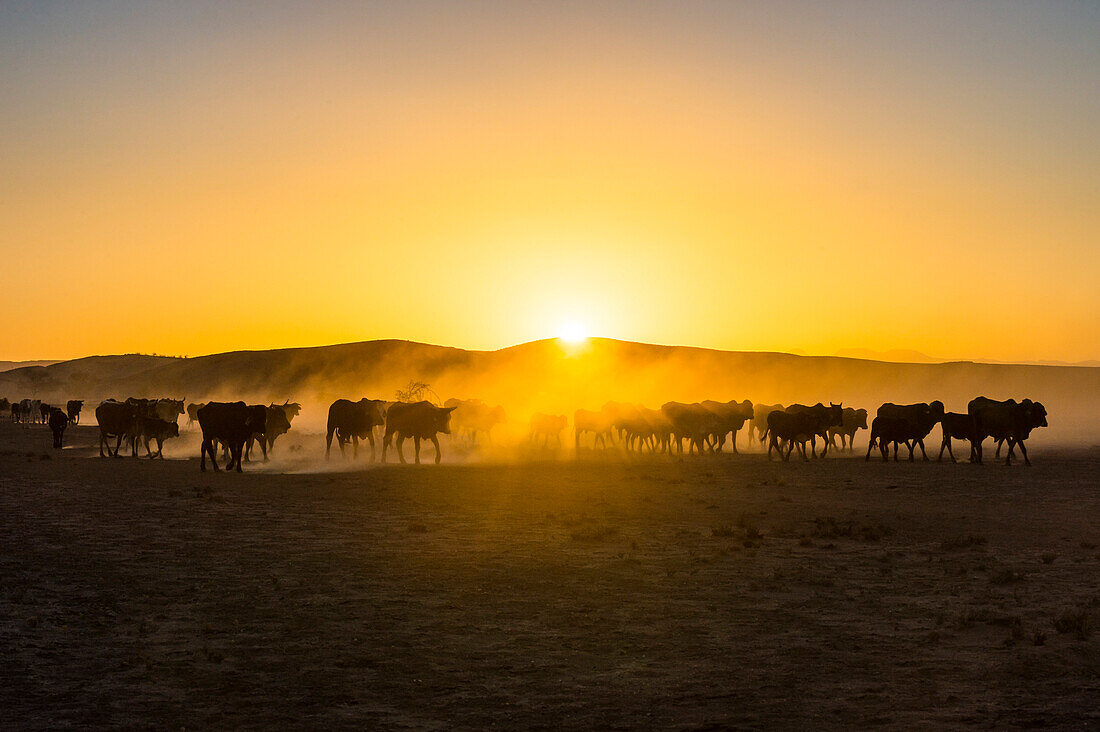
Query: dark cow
731 417
921 417
958 426
418 420
546 426
44 411
16 412
58 421
598 423
157 430
886 430
354 421
72 410
796 427
276 423
230 423
851 422
823 429
5 405
1008 420
759 422
115 419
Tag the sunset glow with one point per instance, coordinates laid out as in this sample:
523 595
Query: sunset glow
207 177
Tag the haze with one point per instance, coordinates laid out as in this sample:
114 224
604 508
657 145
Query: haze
203 177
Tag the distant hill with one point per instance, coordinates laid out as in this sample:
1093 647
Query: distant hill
9 365
548 376
896 355
899 355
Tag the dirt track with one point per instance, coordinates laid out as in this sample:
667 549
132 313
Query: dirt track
550 594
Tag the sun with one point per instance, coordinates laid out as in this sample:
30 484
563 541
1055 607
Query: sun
573 333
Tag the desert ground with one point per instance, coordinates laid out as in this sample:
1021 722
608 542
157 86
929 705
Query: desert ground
545 591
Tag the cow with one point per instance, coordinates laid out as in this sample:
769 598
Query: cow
5 405
546 426
418 420
692 422
759 423
276 423
72 410
885 430
922 417
598 423
169 409
1008 420
851 421
798 424
629 422
58 421
193 412
35 412
731 416
659 429
354 421
157 430
115 419
473 416
823 429
958 426
230 423
44 411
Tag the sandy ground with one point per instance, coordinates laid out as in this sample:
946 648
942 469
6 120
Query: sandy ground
581 594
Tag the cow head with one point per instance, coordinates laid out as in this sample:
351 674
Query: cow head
1036 413
937 410
835 415
861 419
443 419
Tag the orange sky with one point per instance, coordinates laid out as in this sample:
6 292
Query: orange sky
194 178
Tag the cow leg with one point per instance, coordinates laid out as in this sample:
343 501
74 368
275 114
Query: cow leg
400 452
328 442
438 454
263 446
1023 451
102 441
386 437
416 448
997 454
238 450
118 446
370 439
355 447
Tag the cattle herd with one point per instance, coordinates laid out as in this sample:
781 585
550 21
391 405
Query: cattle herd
705 427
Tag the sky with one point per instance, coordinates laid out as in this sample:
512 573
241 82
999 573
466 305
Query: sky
189 178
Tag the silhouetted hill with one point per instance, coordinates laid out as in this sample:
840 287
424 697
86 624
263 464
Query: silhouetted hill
549 376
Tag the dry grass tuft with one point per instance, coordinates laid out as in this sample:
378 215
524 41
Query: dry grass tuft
969 541
1005 576
597 533
1074 620
831 528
